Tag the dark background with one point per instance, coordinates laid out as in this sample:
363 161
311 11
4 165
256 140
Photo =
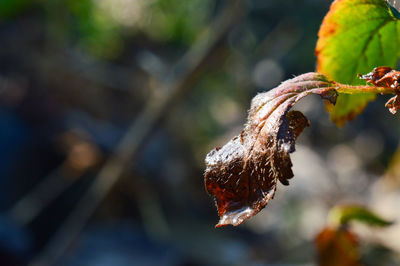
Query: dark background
172 79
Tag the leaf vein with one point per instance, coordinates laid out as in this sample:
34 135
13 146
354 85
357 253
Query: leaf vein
366 45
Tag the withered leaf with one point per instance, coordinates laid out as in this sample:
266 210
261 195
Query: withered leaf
242 175
383 76
393 104
386 77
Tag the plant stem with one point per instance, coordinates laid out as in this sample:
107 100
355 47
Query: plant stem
350 89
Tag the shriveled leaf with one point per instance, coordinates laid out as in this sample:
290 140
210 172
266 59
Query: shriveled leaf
383 76
355 36
337 246
386 77
393 104
342 215
242 175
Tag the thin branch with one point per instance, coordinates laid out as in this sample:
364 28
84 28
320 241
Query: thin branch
31 205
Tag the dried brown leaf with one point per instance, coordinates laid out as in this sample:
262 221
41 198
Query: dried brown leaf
383 76
386 77
242 175
393 104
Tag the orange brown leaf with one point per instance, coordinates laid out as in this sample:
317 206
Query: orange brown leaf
337 247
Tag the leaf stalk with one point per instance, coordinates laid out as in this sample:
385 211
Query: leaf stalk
351 89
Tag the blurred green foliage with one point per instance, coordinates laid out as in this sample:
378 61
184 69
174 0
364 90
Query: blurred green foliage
178 21
342 215
99 26
11 8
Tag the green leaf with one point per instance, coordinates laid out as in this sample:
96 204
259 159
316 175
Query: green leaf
341 215
356 36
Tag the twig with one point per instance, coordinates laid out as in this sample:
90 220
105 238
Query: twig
350 89
140 130
29 207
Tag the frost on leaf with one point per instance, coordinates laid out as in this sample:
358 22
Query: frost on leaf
242 175
386 77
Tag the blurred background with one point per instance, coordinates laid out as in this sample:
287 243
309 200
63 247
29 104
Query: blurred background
108 108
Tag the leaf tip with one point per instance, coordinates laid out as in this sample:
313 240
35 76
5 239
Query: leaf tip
236 217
